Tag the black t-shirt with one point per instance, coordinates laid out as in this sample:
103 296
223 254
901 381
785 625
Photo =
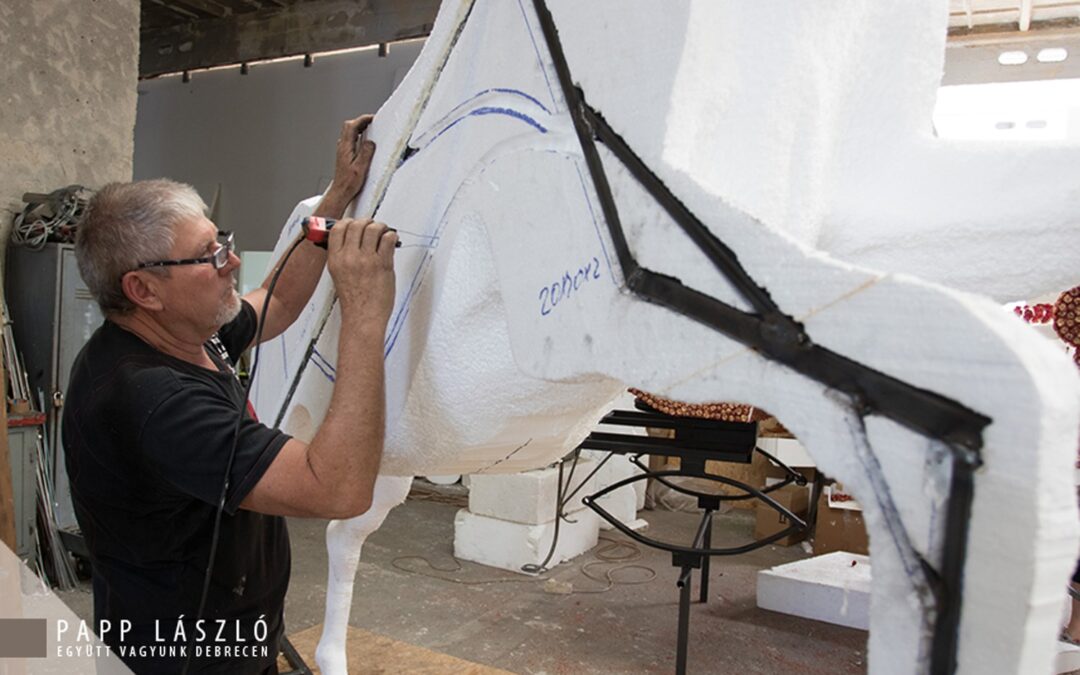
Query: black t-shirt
147 438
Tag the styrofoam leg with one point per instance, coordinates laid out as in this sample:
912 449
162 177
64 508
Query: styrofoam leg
344 541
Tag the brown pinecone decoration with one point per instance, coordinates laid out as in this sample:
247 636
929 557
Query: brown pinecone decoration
728 412
1067 319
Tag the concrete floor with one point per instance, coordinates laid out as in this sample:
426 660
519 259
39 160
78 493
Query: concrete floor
519 627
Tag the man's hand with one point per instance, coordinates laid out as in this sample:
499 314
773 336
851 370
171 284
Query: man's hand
353 160
361 263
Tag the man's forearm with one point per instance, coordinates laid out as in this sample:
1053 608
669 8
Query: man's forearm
346 452
301 276
332 205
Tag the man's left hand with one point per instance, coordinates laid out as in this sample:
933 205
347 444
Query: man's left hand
353 160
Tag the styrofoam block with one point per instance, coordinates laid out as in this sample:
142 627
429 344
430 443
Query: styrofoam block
509 546
618 468
791 452
787 450
528 497
444 480
622 504
625 502
834 587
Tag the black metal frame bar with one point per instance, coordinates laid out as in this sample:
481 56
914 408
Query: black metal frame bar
797 523
779 337
296 662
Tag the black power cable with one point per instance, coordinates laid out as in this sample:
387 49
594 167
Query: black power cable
215 537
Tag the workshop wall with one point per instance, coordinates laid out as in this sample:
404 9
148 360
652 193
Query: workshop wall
68 72
67 112
266 138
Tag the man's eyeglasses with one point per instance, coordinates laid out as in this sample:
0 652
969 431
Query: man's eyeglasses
219 258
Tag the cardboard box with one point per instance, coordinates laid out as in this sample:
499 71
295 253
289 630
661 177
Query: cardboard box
839 529
769 521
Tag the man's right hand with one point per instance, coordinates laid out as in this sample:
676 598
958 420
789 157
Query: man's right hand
361 263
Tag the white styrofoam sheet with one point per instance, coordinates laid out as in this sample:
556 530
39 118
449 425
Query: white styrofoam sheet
834 588
510 546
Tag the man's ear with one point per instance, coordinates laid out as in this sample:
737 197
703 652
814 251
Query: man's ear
142 290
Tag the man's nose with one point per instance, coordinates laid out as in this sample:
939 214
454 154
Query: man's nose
234 262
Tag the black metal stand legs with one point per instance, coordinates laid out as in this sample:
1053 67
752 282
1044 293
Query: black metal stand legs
688 562
696 441
299 667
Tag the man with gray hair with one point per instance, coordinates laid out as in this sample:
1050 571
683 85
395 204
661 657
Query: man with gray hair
155 420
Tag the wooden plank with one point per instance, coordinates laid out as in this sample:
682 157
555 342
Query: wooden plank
371 654
304 28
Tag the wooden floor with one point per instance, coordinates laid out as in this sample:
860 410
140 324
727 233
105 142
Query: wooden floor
372 654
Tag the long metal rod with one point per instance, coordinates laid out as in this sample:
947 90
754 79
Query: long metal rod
706 543
684 621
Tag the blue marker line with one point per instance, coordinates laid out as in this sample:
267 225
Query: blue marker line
322 364
515 92
326 362
284 356
403 310
491 110
399 319
498 90
596 225
539 61
323 370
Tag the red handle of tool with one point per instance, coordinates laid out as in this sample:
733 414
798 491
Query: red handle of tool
317 230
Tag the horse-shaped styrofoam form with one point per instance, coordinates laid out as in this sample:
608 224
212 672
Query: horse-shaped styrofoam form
547 172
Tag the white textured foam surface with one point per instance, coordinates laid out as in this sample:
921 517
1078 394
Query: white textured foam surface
793 131
529 497
834 587
508 545
622 503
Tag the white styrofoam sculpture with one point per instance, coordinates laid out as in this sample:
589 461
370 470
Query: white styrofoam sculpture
800 135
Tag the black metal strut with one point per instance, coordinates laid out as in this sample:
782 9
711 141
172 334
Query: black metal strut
779 337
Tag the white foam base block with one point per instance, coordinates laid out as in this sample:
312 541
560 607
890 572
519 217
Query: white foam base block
787 450
625 502
509 546
444 480
528 497
826 588
622 504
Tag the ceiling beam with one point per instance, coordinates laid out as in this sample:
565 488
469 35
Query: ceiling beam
977 62
206 7
174 10
1007 32
302 28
